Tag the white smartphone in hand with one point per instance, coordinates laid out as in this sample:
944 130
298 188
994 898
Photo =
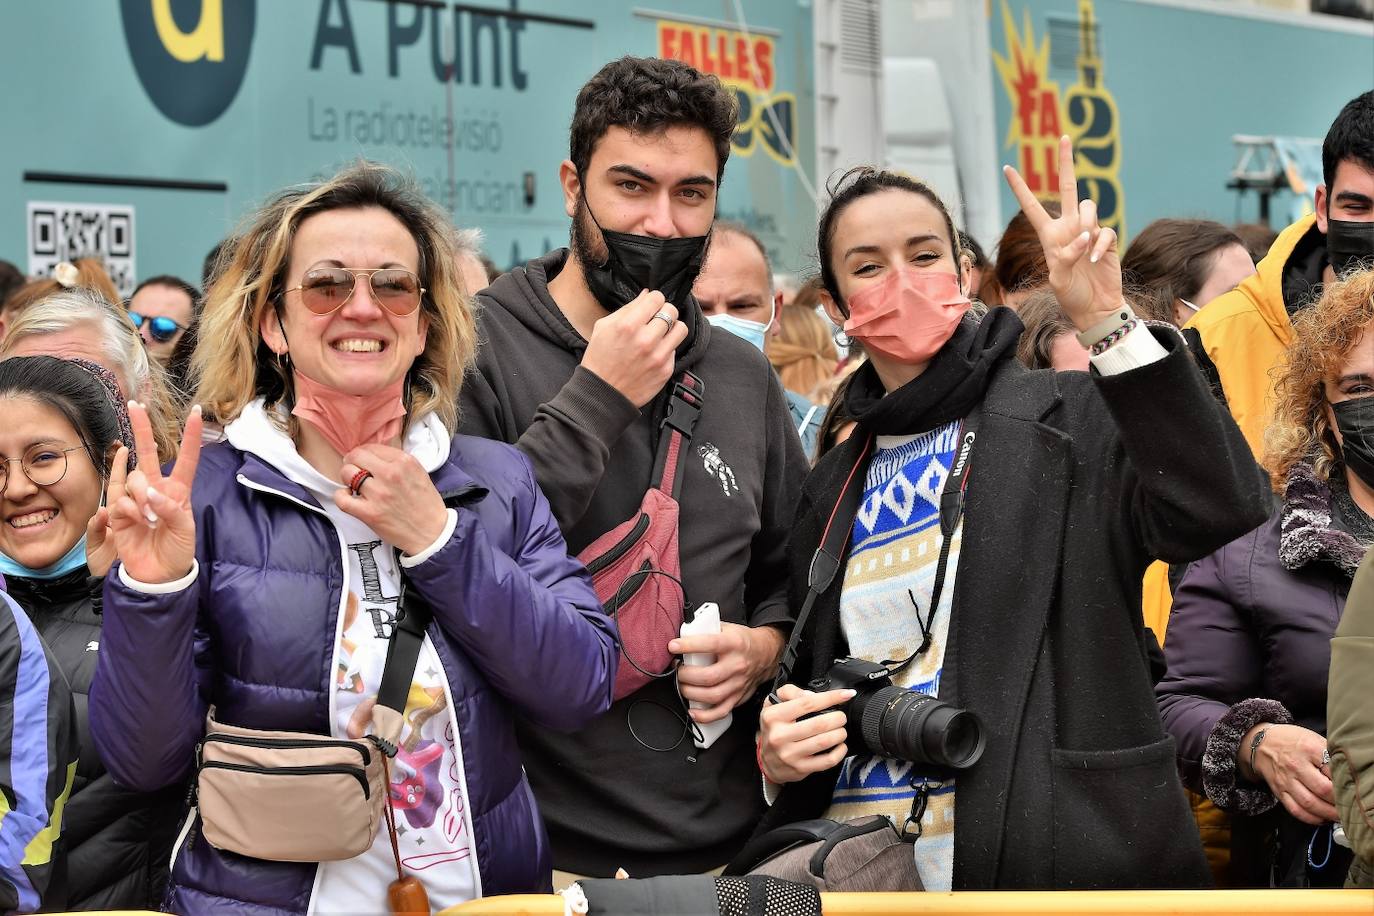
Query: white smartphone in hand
705 620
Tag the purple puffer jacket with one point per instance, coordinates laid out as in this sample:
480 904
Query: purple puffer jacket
517 626
1249 640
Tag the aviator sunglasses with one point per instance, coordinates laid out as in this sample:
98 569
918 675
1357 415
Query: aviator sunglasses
161 328
324 290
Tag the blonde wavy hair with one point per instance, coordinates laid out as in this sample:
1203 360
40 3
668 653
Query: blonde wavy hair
803 352
1326 334
232 365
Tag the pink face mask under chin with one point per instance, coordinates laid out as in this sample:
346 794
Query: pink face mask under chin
348 421
909 315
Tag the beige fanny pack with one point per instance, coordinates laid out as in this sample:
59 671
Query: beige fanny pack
291 796
301 797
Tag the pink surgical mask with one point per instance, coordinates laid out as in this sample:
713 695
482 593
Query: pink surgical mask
909 315
346 420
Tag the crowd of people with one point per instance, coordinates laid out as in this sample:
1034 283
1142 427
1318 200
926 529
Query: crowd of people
360 575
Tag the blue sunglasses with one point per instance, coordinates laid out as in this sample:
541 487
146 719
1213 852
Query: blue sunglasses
161 328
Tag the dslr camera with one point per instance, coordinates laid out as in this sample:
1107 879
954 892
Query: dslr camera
890 721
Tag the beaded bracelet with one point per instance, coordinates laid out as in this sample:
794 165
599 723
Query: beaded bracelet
1114 337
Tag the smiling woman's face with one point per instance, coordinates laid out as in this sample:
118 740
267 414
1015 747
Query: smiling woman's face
40 523
361 347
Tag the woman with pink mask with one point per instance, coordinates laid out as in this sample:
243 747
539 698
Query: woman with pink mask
990 555
269 581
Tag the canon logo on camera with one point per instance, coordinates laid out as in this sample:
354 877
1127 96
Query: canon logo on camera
190 55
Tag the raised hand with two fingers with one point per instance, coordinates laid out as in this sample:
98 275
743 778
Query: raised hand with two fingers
1081 254
100 541
151 523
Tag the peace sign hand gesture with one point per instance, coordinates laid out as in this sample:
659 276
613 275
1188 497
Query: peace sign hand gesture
1084 267
150 515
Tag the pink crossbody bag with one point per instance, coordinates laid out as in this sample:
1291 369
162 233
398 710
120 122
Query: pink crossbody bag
635 567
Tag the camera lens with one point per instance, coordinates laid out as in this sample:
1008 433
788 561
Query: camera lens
908 725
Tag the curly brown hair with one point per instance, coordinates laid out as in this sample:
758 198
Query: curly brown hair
1326 334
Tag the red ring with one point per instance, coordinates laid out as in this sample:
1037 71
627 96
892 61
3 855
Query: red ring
355 485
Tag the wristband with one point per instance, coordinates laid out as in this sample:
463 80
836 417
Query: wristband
1114 338
1118 319
1254 746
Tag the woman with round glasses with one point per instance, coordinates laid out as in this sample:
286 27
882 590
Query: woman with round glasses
63 437
263 573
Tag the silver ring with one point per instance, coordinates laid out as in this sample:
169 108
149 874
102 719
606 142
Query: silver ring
666 318
1326 757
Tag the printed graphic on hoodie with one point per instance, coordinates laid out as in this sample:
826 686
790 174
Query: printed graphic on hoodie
717 468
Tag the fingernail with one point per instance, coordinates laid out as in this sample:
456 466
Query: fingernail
151 517
131 404
154 494
1085 236
196 409
851 693
1093 259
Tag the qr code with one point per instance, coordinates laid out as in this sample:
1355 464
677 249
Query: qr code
65 232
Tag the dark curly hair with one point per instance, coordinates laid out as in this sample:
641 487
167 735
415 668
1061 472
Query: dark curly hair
861 181
647 95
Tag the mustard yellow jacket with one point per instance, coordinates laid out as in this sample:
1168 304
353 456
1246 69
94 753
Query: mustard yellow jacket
1246 334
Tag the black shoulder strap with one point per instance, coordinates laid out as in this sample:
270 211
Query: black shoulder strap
413 614
765 846
826 560
686 398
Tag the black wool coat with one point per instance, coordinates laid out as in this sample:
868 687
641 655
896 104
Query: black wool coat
1077 482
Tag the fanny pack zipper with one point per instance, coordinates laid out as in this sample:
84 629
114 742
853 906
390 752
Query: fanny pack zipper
616 601
355 772
621 547
270 743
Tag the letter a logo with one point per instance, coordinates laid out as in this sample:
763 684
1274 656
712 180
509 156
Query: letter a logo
191 56
205 41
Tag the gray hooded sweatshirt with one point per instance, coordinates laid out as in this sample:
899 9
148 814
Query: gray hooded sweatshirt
608 800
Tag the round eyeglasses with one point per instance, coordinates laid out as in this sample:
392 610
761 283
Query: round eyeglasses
324 290
44 465
161 328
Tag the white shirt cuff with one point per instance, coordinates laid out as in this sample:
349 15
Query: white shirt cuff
771 790
1138 348
160 588
434 548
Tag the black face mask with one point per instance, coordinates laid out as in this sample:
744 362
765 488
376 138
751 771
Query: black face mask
1355 420
1348 243
638 262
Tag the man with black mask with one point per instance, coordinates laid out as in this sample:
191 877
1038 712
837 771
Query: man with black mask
1242 335
581 351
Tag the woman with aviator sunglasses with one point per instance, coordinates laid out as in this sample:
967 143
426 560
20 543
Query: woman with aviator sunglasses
264 572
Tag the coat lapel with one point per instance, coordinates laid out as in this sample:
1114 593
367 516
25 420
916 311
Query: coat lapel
1012 538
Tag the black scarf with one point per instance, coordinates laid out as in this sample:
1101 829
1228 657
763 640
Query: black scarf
952 384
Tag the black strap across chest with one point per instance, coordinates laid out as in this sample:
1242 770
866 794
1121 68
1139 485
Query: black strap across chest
825 563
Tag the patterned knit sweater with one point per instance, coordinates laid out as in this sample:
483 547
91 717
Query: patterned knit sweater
892 563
